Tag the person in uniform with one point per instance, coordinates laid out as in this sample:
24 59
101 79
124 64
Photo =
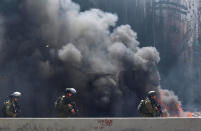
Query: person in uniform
11 107
150 107
64 105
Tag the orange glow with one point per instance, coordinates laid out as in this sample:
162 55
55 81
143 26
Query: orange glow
187 114
177 108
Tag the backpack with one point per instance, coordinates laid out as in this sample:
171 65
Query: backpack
4 106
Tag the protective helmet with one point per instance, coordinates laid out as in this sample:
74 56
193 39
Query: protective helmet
70 90
151 93
16 94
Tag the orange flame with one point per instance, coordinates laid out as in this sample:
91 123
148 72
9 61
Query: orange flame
176 108
187 114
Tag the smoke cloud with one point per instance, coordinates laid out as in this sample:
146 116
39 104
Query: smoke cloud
47 46
70 54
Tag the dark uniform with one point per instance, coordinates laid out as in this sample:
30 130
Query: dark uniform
150 107
11 107
65 107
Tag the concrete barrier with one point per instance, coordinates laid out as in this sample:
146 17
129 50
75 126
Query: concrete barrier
102 124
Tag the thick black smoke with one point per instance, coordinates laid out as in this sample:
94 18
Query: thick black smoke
47 46
173 27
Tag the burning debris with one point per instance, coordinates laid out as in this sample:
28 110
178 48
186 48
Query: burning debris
171 105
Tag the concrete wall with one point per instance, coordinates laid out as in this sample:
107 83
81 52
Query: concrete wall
103 124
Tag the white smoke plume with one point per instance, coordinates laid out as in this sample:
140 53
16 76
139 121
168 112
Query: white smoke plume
70 54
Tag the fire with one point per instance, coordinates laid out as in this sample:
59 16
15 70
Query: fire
174 110
177 108
187 114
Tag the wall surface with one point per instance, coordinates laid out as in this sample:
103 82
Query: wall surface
102 124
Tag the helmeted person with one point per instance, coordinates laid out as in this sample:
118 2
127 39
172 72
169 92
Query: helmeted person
150 107
11 107
65 106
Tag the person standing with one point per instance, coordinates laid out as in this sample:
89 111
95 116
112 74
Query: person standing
11 107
